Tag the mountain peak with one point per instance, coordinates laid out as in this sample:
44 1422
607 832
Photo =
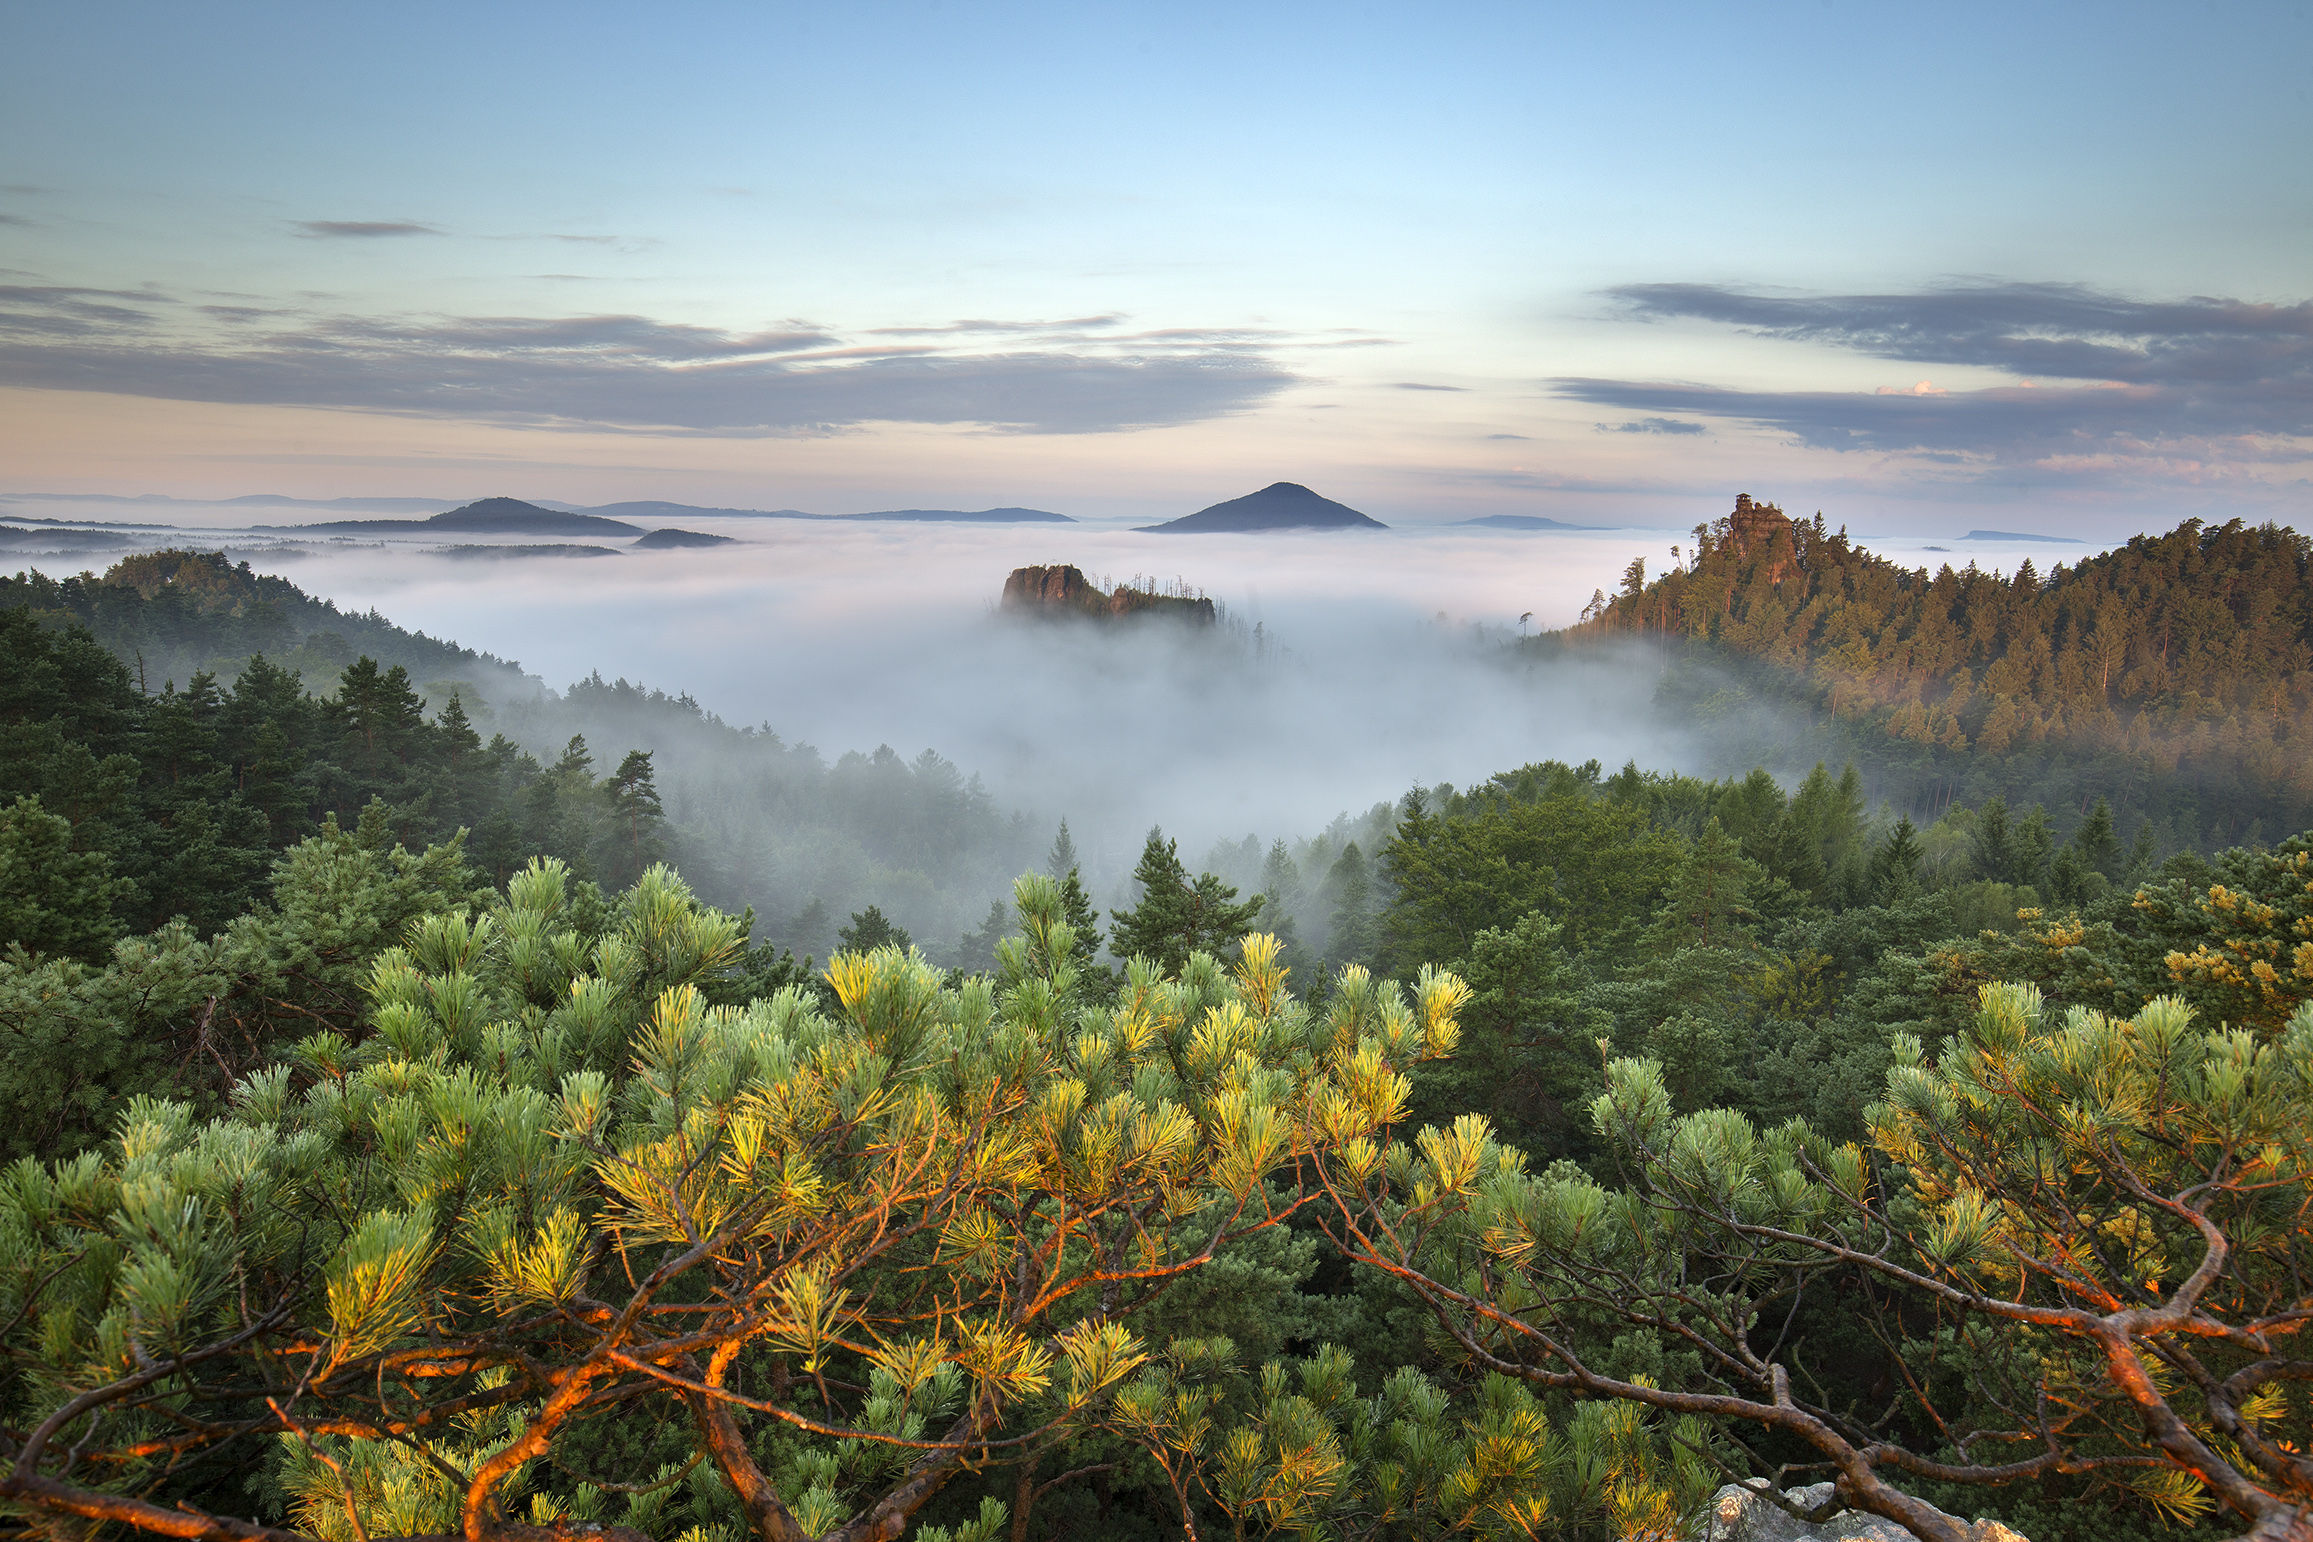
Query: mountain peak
1279 506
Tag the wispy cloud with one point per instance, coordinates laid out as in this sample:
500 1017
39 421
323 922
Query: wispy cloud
1651 426
1416 385
14 219
946 328
46 311
336 230
629 372
2109 388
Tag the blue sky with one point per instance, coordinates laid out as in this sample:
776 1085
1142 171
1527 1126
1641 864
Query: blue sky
1603 263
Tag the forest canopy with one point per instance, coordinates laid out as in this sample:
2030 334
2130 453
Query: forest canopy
2172 675
405 1144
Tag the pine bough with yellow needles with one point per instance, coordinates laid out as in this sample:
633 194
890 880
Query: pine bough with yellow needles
551 1191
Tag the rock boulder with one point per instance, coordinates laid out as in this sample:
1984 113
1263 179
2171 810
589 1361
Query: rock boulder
1736 1514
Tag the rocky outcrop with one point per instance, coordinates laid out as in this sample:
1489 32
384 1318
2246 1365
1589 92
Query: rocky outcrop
1065 591
1738 1515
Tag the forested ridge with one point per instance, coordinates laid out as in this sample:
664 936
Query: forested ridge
191 719
2172 675
402 1147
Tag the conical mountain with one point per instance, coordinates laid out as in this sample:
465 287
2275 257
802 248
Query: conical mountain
1279 506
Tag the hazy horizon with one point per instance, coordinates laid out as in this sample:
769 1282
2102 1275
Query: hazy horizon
2035 270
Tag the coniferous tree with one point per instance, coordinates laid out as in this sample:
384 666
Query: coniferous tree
1062 862
2140 854
1992 844
1282 894
1895 865
2097 842
54 900
2071 883
636 814
809 930
1707 908
976 949
2032 846
1076 909
871 929
1349 929
1177 917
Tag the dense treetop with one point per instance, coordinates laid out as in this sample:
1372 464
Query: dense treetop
2185 655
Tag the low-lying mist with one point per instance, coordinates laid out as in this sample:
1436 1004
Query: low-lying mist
1350 666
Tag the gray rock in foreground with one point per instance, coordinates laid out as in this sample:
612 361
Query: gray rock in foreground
1737 1515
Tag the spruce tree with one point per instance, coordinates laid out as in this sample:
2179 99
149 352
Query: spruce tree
1062 862
808 930
1993 844
1349 932
1895 865
1706 906
1076 909
2097 842
1176 917
976 949
2034 844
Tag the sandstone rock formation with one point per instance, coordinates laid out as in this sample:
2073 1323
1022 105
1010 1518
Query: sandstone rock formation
1065 591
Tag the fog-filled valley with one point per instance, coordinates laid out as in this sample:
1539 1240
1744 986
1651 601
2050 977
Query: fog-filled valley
833 848
1346 669
863 670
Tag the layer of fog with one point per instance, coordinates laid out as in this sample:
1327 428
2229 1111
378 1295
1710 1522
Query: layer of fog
1353 666
1377 663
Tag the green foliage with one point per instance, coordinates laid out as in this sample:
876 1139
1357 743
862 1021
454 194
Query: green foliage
543 1198
1595 866
2100 1220
1176 917
2175 667
871 929
53 899
1295 1449
192 720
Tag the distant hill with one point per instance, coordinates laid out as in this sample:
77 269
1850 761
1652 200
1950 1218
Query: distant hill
488 516
179 611
979 517
1279 506
669 539
2017 535
50 541
1521 522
